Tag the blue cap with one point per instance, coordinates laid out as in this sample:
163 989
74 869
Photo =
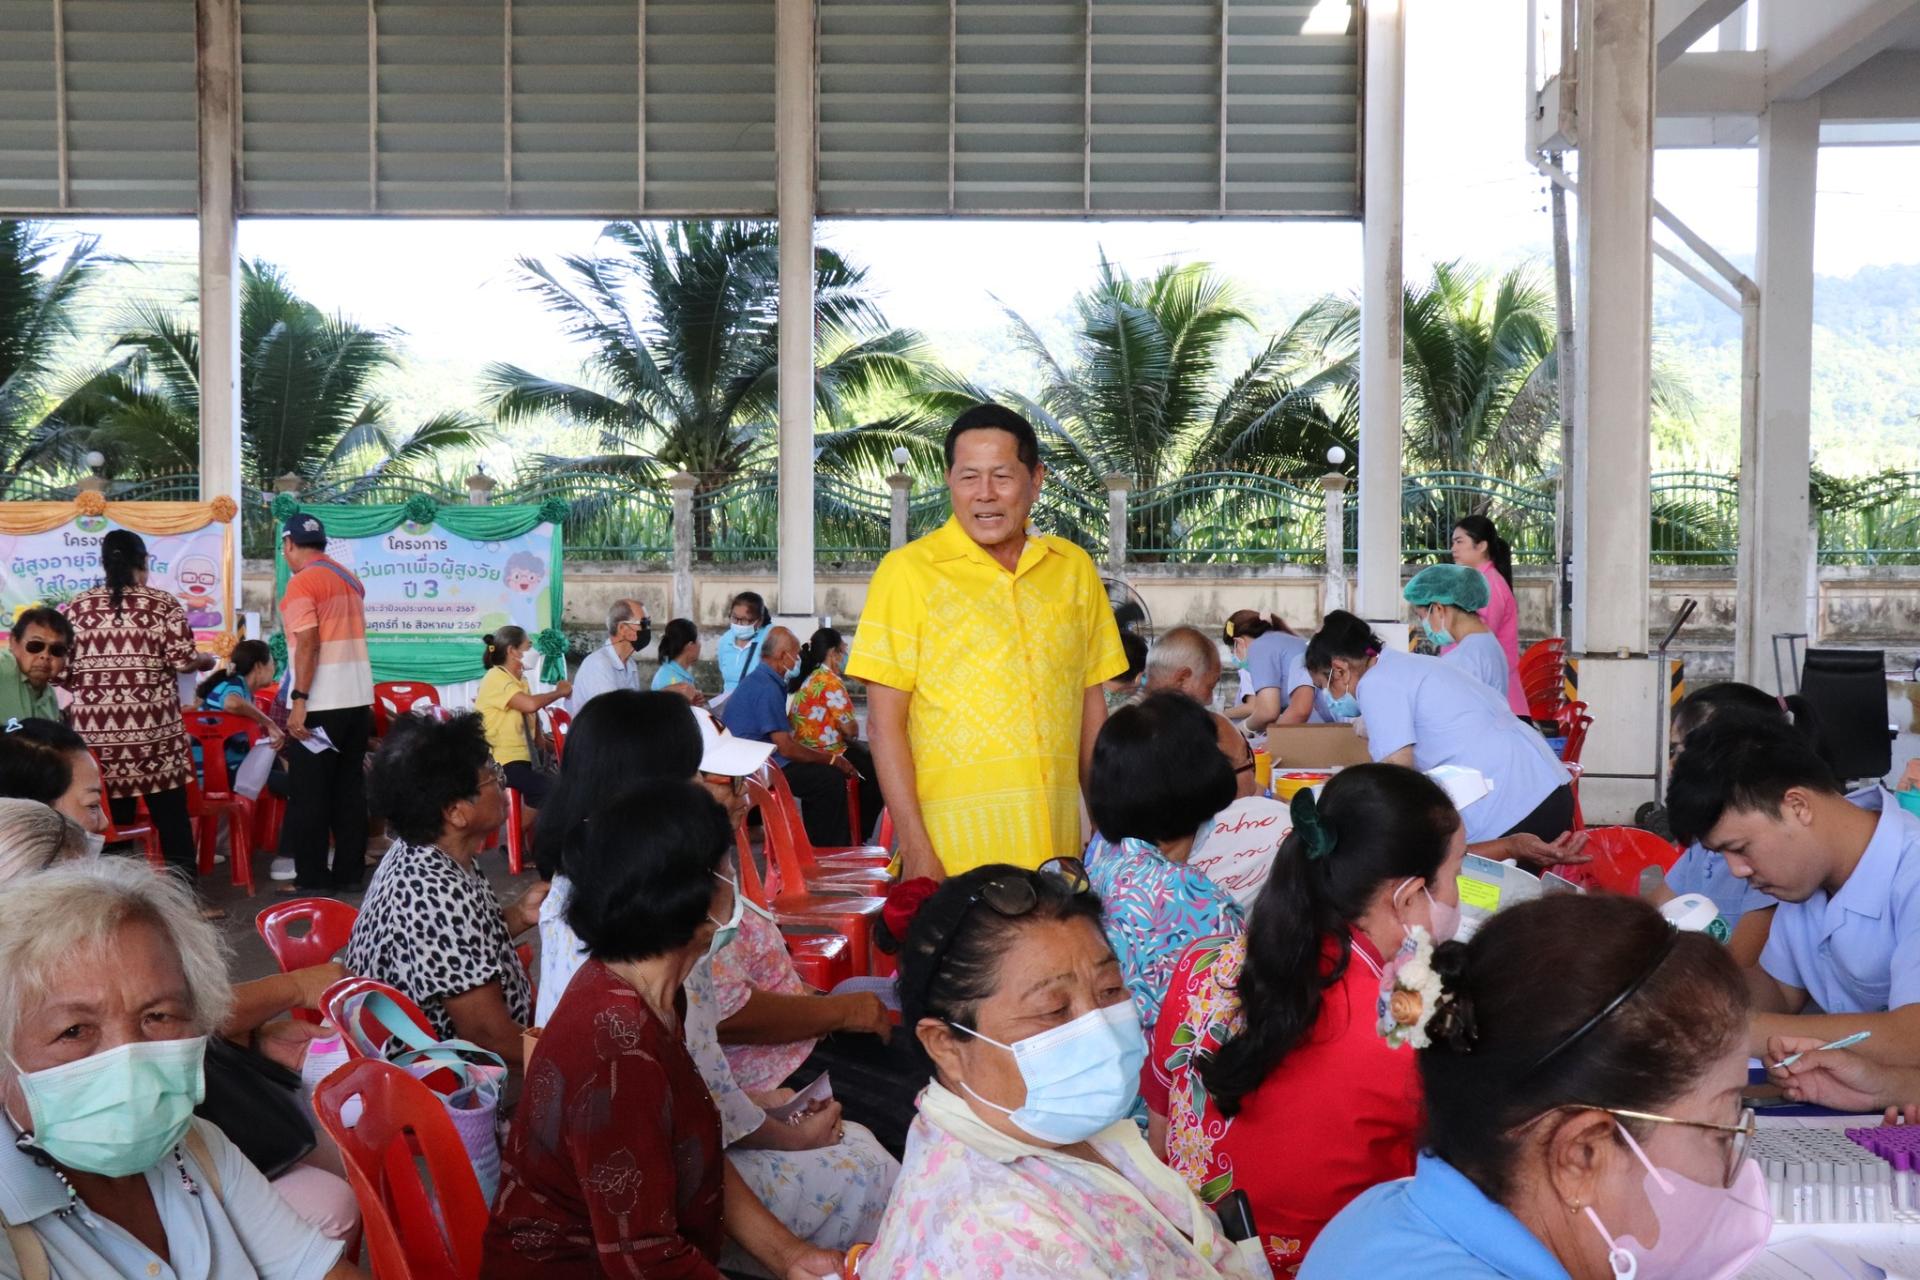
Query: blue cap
304 530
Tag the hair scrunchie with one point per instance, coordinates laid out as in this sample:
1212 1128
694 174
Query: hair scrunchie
1315 835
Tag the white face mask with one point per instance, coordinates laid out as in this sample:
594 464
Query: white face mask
95 844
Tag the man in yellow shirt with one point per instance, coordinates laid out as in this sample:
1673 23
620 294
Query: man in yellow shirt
983 647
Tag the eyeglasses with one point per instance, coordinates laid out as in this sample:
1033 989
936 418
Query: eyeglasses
495 773
1012 895
1736 1151
55 649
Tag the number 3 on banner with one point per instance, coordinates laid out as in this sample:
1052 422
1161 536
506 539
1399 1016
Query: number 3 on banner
431 591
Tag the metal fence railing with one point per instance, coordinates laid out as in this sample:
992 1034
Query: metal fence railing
1222 517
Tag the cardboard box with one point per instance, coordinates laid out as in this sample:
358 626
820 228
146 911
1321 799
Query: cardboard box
1313 746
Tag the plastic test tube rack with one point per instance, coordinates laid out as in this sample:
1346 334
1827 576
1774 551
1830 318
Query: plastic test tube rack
1820 1176
1898 1145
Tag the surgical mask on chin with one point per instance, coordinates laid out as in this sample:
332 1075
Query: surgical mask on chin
96 843
1706 1233
1346 706
726 931
116 1113
1081 1077
1440 636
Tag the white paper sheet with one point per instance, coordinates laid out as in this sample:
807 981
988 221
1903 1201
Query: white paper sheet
814 1095
317 741
250 779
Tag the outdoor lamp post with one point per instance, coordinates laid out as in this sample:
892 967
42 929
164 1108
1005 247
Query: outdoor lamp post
480 486
901 485
95 482
1335 486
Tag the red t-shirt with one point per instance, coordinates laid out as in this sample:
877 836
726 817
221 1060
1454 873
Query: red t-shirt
1341 1113
613 1164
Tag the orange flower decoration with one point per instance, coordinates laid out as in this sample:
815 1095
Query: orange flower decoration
89 503
222 644
223 508
1406 1007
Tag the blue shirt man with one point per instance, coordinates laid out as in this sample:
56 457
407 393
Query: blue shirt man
757 709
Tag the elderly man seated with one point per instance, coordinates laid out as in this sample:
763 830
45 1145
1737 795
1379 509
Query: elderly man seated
757 709
35 659
1185 661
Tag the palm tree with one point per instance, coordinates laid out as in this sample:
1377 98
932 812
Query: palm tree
1146 393
306 402
681 326
37 290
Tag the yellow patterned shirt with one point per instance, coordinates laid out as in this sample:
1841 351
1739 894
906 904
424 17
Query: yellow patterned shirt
998 665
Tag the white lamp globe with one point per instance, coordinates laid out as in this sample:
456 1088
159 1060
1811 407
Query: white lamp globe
1336 456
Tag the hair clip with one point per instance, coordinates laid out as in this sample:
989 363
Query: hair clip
1309 826
13 724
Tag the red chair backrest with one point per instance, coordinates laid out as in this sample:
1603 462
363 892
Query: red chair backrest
779 818
1619 855
562 724
328 921
211 729
420 1202
883 835
364 1038
396 698
1575 722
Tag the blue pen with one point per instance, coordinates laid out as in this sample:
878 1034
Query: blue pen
1845 1042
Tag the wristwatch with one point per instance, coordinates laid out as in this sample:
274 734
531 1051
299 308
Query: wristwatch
298 695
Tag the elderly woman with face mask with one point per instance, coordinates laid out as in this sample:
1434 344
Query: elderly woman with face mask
1023 1162
112 984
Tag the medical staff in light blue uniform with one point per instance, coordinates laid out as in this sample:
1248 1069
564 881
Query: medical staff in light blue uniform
1435 1225
739 649
1429 714
1448 598
1277 661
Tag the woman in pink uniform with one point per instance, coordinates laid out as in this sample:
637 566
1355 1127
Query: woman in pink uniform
1478 545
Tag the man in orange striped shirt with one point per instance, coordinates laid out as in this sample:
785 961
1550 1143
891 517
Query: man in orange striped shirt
332 692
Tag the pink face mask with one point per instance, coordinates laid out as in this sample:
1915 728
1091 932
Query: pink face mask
1706 1233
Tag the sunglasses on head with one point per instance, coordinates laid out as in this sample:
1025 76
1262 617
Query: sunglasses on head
56 648
1012 894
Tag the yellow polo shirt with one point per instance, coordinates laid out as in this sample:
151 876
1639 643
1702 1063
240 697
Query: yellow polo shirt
998 665
506 728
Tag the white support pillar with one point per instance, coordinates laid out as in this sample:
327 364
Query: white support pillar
899 503
1334 591
683 486
1612 393
793 142
1775 453
1119 485
1381 313
217 26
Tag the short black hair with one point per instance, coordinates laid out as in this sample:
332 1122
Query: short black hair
619 738
679 633
44 616
1134 647
996 417
972 938
422 767
754 601
1158 771
1742 762
642 869
36 760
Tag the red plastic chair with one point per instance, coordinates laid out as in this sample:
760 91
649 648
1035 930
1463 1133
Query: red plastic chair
822 957
1574 723
831 860
420 1204
216 799
364 1038
1619 855
804 911
790 858
1543 675
559 724
141 828
883 834
516 839
396 698
329 923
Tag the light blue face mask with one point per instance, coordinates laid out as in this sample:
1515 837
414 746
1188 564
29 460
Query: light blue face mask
117 1113
742 631
1440 636
1081 1077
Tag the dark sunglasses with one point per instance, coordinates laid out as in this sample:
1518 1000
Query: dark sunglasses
1012 895
56 649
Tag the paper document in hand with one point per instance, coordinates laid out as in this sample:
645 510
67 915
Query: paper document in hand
250 779
1486 887
817 1094
317 741
886 988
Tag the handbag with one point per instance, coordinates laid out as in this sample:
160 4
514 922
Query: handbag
467 1078
256 1102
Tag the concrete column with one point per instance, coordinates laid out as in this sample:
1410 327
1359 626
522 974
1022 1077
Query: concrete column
1119 484
1381 315
480 487
1609 492
900 486
793 141
217 63
1335 595
1775 539
682 485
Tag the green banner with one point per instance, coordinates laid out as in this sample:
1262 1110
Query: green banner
439 578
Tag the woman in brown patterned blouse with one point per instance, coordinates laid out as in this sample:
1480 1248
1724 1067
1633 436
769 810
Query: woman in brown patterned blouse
131 641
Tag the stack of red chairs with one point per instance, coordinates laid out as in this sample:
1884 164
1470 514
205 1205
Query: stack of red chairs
848 862
803 906
1574 723
217 799
1543 678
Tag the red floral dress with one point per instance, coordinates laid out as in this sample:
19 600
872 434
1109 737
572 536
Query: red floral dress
125 682
1341 1113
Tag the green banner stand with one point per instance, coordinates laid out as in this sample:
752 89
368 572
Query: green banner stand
436 659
